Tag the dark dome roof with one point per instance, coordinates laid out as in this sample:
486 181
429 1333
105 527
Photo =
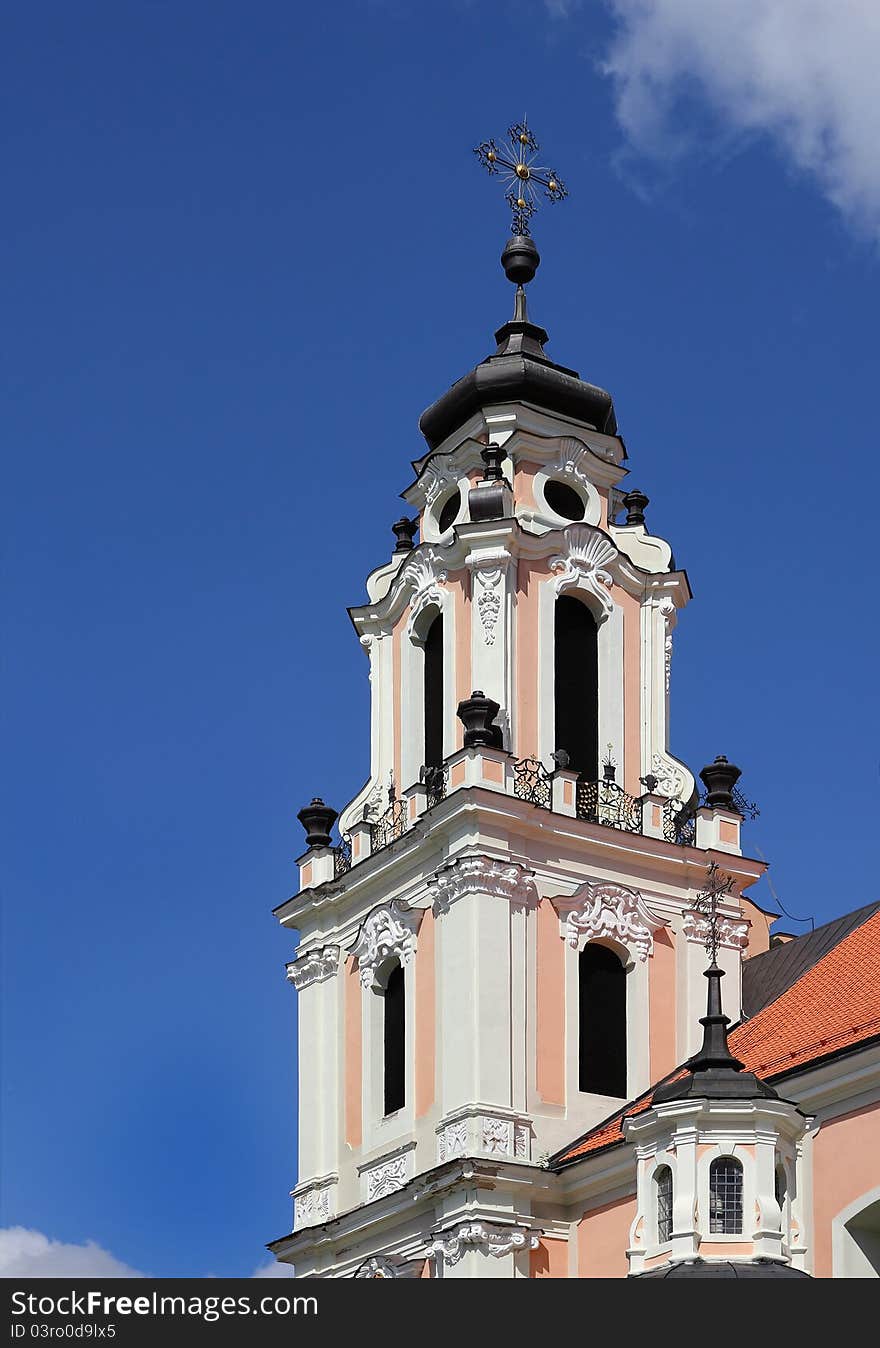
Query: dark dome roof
726 1268
519 371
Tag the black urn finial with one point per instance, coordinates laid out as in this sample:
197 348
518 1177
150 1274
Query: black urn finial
520 259
635 502
317 819
477 714
404 531
720 778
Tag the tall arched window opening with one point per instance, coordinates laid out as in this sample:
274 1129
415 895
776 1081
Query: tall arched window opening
602 1046
395 1041
725 1197
434 694
576 677
663 1190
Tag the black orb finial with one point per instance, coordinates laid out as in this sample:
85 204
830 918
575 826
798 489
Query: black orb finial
317 819
520 259
404 531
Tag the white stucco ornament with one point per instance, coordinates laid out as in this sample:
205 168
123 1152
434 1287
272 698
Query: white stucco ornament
483 875
574 457
389 932
487 588
583 564
313 1203
388 1175
489 1237
313 966
599 909
731 933
424 574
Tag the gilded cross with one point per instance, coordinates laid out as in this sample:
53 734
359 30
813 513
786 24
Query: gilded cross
515 161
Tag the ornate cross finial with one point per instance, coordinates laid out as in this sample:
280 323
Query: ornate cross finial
718 886
521 176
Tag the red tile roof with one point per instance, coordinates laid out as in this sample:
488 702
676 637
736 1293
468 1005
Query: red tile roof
833 1006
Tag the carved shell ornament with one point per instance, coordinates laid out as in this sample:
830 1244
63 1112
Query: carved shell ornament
424 574
583 566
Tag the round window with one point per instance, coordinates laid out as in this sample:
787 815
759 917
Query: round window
450 510
564 500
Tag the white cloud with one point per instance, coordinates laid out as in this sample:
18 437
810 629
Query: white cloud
274 1270
802 72
30 1254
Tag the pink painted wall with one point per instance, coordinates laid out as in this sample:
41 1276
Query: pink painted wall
353 1054
550 1067
846 1164
425 1015
549 1260
603 1235
524 483
661 1001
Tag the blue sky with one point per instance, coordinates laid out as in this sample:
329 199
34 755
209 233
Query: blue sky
243 247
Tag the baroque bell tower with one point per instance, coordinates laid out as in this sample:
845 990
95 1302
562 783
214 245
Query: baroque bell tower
505 942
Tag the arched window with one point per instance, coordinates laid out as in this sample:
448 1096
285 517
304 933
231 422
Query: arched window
602 1048
781 1188
576 677
395 1041
663 1191
434 694
726 1197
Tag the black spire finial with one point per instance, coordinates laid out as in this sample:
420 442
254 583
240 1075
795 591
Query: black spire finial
635 502
404 531
714 1072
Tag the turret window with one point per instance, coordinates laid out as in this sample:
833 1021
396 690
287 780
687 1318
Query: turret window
450 510
602 1040
726 1197
576 680
564 500
663 1191
434 694
394 996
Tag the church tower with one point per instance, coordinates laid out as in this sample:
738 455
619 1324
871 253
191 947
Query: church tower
505 943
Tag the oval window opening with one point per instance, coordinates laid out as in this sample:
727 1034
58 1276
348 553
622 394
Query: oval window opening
564 500
449 512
